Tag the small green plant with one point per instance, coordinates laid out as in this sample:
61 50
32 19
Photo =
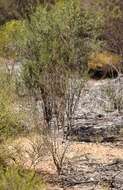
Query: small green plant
14 178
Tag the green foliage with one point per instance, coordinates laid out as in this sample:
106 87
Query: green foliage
64 35
9 119
8 40
18 179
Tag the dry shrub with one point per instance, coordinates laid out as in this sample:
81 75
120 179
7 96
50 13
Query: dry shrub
106 63
60 97
115 96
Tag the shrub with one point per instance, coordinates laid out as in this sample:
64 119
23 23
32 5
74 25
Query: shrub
8 40
64 34
9 118
19 179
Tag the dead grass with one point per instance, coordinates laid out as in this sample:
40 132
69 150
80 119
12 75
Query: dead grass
101 59
100 152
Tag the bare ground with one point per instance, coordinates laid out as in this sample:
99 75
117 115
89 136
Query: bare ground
88 166
88 160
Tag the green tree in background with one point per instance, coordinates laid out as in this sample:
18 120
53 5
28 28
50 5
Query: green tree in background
66 34
58 40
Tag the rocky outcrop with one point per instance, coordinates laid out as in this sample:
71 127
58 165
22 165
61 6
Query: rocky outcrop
97 118
83 173
98 128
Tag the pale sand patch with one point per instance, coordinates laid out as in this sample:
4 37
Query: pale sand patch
101 152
